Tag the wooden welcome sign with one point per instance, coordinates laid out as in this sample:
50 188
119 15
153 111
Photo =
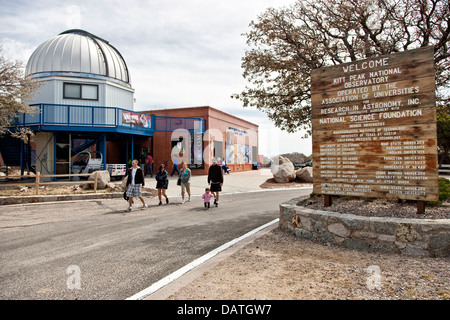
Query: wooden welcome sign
374 127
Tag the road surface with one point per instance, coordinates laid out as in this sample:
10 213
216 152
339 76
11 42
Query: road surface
96 250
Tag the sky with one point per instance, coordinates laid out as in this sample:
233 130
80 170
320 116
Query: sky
179 53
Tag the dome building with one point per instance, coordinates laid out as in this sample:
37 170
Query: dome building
85 103
82 69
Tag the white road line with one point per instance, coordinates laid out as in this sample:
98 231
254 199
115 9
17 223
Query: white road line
197 262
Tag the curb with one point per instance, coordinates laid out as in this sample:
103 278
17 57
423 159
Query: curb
166 286
11 200
69 197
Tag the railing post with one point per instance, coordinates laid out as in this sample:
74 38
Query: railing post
95 182
37 182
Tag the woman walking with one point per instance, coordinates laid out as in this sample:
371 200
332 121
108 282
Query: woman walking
185 176
215 178
162 183
134 182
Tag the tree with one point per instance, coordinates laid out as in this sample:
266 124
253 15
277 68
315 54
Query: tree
15 93
287 43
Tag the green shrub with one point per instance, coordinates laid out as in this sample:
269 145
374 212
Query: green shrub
444 191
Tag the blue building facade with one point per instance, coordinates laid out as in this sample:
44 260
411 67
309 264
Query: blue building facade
85 102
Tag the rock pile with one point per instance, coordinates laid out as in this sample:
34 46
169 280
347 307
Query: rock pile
284 171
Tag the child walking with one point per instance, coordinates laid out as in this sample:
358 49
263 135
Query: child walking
207 198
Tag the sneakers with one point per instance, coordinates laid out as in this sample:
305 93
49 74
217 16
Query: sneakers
130 209
145 206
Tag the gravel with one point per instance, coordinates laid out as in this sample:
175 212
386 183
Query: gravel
378 208
366 207
279 266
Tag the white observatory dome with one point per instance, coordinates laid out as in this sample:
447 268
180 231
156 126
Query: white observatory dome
80 54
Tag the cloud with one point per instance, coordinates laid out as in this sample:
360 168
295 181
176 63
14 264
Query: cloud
179 53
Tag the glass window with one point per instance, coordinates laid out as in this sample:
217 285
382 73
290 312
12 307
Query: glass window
80 91
89 92
72 91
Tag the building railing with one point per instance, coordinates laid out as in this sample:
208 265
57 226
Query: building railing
85 116
444 169
105 117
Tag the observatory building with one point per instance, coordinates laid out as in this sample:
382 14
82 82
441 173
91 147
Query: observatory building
86 102
81 69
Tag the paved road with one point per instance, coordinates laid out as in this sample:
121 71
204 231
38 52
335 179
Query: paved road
102 252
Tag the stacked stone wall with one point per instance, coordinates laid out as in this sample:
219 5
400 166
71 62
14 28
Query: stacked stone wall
412 237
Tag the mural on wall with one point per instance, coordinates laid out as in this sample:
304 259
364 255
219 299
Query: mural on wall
237 154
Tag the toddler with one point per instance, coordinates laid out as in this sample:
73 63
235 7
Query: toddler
207 197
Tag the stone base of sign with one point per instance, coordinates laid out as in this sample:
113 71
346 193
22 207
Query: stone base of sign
412 237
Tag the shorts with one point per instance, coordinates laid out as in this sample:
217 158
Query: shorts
215 187
162 184
185 186
134 190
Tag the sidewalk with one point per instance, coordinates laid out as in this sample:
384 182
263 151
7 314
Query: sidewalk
244 181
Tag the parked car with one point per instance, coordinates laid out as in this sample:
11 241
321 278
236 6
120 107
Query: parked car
302 165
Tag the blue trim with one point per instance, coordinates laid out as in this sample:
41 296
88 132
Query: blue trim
132 148
127 159
103 148
54 156
21 159
93 125
58 117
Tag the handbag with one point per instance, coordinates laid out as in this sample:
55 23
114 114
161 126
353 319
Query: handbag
179 181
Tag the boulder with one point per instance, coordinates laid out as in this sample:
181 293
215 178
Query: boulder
283 171
102 180
305 174
123 184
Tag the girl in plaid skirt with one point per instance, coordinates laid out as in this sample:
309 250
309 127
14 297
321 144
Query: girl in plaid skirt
134 182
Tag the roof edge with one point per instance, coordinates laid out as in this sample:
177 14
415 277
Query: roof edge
84 33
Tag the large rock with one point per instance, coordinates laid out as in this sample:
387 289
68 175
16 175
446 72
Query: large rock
284 171
305 174
102 180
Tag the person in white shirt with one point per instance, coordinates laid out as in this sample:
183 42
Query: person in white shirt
134 182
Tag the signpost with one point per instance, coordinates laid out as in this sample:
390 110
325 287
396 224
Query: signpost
374 128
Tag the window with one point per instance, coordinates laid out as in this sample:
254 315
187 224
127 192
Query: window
72 91
89 92
80 91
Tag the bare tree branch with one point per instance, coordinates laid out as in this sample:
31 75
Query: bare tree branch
286 44
15 94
